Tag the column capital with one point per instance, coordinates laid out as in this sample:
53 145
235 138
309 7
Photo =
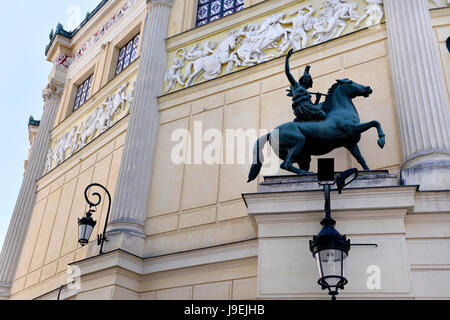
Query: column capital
53 91
151 3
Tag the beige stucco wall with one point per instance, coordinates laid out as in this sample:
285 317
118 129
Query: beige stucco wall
206 209
52 239
198 206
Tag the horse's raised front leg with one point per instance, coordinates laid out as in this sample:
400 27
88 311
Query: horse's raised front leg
354 150
363 127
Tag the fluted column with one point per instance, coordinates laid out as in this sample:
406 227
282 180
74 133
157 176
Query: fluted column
133 187
420 94
23 210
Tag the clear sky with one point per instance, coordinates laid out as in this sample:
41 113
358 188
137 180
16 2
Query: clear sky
24 29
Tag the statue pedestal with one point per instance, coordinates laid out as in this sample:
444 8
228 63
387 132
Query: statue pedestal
286 213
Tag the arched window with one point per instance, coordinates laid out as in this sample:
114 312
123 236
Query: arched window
210 10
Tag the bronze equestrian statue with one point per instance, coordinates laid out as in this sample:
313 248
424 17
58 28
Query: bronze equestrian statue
318 128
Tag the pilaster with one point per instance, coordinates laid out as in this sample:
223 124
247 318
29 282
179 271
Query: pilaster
420 93
23 210
131 199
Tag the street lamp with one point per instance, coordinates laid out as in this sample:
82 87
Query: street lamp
86 224
329 247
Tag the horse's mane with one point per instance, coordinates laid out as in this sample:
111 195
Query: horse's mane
327 104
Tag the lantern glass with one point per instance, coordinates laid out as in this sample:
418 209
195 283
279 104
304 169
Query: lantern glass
84 233
331 267
85 227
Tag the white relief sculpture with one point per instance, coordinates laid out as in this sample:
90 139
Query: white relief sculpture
88 130
48 163
258 39
267 36
198 51
211 66
173 74
114 104
373 13
334 19
297 37
436 3
247 52
129 100
248 45
102 118
66 141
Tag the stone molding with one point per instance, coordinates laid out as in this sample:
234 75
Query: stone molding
143 266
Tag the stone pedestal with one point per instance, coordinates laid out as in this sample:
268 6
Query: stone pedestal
420 94
286 212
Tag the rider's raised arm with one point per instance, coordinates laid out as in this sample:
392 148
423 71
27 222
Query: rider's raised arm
290 77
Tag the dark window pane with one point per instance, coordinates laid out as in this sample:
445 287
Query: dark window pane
127 54
122 53
126 62
83 92
134 55
119 67
129 47
136 42
211 10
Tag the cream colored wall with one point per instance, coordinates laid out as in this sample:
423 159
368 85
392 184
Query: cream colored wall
198 206
51 242
195 206
234 280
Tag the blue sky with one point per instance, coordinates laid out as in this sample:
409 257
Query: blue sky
24 29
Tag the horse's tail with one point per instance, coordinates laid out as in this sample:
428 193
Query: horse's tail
258 157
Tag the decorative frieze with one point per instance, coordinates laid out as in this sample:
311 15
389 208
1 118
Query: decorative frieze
439 3
115 107
255 43
66 61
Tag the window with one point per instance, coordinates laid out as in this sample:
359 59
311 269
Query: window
83 92
210 10
127 54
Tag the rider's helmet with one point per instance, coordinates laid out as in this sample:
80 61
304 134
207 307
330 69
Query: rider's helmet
306 81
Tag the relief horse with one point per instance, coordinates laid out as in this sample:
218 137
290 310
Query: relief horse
211 65
296 142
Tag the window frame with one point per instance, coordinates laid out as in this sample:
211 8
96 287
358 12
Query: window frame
79 93
236 7
134 42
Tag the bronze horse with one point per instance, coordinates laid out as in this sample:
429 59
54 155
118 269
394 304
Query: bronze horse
296 142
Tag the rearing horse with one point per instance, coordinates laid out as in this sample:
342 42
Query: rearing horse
298 141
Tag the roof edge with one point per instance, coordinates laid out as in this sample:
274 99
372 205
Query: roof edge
70 34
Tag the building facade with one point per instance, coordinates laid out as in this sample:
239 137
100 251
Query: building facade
143 90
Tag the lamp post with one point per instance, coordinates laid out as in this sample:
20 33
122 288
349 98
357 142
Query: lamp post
86 224
329 247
